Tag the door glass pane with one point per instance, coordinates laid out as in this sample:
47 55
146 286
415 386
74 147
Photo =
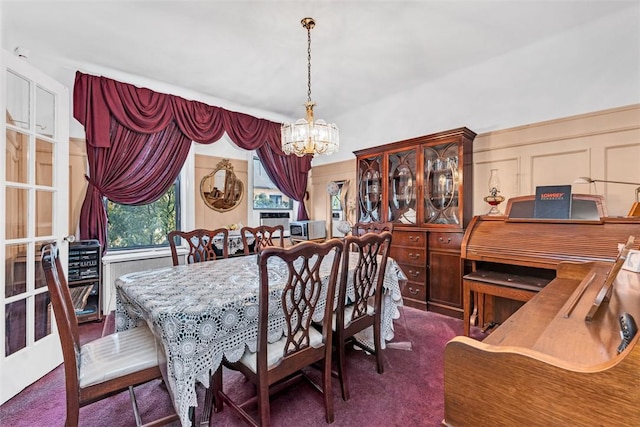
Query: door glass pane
45 112
15 326
441 178
44 163
17 101
402 187
369 189
42 326
17 156
39 274
44 213
16 213
15 270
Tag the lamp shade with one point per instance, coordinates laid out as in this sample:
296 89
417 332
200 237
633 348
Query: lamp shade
582 180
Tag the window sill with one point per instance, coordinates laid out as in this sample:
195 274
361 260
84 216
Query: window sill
138 254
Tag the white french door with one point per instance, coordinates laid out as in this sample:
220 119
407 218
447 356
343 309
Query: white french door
34 181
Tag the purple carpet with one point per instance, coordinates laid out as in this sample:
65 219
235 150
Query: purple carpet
408 393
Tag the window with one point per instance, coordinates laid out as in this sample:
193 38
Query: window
265 193
146 226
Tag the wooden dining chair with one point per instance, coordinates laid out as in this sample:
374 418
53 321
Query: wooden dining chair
355 311
301 298
200 244
361 228
105 366
264 236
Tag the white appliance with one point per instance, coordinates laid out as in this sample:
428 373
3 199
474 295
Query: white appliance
307 230
273 219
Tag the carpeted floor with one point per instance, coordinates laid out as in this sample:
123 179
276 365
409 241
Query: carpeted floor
409 393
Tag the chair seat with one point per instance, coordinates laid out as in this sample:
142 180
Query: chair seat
348 311
276 350
117 355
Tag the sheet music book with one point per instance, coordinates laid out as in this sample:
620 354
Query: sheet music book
552 201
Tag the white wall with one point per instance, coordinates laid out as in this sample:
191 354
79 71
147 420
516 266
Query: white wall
591 68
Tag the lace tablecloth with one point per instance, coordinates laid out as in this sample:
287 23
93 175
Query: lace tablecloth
206 311
234 242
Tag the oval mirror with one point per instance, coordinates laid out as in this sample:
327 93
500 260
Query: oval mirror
221 190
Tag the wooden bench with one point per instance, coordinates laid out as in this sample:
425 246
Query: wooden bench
505 285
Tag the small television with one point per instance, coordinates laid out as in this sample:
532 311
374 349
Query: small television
307 230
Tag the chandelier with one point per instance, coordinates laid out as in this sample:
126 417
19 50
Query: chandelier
306 136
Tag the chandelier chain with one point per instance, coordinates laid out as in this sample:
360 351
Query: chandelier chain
309 64
307 136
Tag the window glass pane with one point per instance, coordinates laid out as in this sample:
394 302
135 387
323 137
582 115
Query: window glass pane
44 163
16 270
17 101
45 112
16 213
17 156
44 212
143 226
42 325
265 193
15 326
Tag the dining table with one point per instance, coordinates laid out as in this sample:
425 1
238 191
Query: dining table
204 312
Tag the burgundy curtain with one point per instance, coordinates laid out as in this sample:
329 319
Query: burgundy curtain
289 172
138 140
137 169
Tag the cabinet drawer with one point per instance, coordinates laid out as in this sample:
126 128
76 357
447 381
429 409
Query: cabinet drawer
445 240
416 291
414 273
409 238
409 256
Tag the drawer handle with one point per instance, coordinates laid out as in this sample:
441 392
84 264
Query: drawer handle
414 273
414 256
413 291
414 238
442 240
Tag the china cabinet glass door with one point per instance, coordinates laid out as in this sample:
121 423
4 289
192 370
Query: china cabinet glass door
370 189
402 187
441 183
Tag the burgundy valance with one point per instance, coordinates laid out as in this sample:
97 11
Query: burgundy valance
145 111
143 117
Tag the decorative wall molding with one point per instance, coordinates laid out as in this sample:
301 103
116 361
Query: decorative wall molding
601 145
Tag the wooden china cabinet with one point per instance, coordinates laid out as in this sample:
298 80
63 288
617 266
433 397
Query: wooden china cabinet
424 186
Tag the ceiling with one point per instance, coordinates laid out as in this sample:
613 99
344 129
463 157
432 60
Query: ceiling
254 53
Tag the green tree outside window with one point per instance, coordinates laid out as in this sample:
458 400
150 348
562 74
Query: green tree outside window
145 226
